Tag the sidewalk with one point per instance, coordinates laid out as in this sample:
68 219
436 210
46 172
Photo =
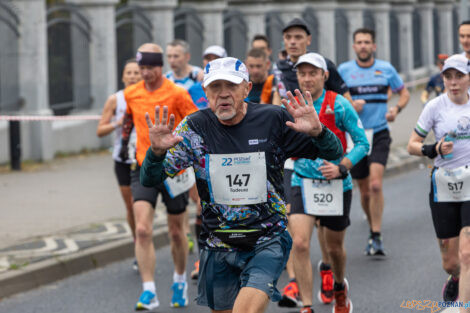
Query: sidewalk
67 216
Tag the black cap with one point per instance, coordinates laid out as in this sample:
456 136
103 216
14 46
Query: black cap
297 22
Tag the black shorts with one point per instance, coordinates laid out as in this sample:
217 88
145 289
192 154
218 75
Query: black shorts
287 185
123 173
336 223
174 205
448 217
379 154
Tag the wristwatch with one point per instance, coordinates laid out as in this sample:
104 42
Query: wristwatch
343 171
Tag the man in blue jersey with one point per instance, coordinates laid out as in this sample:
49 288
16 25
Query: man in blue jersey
321 190
184 74
369 79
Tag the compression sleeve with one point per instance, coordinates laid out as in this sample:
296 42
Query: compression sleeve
152 171
350 122
328 145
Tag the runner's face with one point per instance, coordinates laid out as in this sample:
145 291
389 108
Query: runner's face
177 58
464 38
296 41
257 68
364 47
311 79
208 58
456 83
226 99
131 74
150 74
263 45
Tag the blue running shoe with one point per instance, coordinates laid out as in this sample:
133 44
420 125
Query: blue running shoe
147 301
180 295
375 246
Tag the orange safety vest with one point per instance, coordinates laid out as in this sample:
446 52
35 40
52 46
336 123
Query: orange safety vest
267 91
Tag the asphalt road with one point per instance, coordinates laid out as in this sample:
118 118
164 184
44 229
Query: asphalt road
412 271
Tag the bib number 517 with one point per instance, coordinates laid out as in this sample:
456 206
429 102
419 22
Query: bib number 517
238 180
455 186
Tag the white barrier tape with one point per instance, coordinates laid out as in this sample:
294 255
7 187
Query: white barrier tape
417 82
49 117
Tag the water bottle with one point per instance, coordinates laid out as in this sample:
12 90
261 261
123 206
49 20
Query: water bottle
451 136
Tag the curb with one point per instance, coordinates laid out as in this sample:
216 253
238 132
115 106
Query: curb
51 270
60 267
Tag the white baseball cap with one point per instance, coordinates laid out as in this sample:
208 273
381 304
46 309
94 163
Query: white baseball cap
231 69
458 62
215 50
314 59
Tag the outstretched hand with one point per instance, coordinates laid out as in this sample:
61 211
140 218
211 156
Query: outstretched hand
305 117
161 134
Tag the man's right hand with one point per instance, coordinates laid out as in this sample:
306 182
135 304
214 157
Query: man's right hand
161 134
358 104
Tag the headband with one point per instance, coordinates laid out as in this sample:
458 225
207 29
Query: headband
149 58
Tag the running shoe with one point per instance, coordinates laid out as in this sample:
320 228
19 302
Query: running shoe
135 265
325 294
290 296
195 272
342 302
450 291
190 243
147 301
180 295
375 246
307 309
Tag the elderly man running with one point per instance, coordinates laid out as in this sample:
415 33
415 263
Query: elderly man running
238 151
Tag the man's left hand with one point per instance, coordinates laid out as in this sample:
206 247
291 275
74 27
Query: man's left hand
329 170
305 117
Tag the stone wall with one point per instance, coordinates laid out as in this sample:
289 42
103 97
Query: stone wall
395 23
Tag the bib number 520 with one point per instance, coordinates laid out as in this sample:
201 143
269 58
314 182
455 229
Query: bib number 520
322 198
238 180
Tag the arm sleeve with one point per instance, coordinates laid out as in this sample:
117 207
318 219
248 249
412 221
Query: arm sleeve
335 82
300 145
349 121
152 171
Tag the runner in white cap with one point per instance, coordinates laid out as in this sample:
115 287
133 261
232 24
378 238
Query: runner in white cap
448 116
322 192
237 150
212 53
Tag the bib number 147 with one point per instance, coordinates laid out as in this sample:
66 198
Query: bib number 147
240 180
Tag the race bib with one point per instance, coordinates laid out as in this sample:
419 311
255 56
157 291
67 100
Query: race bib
451 185
322 197
350 143
237 179
180 183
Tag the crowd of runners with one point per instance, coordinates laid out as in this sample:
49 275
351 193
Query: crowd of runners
269 152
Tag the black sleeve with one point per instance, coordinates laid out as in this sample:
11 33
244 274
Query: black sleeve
335 82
